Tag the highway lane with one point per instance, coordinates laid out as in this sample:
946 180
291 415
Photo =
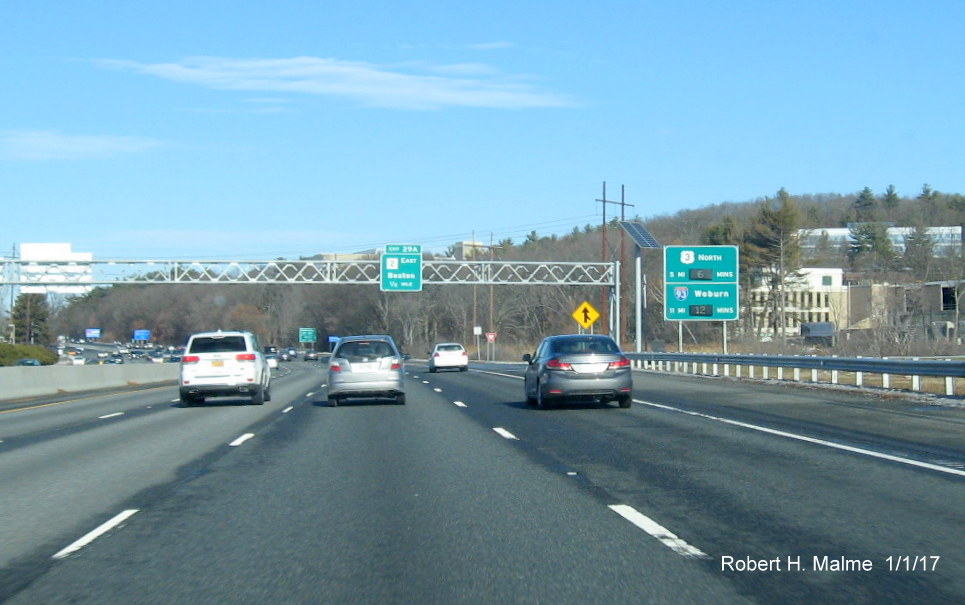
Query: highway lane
429 502
63 463
735 479
372 502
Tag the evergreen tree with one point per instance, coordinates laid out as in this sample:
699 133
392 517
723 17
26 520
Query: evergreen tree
890 199
865 206
30 315
927 194
725 233
871 248
773 251
919 252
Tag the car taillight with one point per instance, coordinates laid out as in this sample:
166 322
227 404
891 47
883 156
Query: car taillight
396 365
334 367
245 356
190 359
438 354
622 363
464 354
556 364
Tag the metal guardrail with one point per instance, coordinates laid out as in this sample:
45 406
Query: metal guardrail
949 370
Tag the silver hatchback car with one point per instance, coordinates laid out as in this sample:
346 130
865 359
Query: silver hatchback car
368 367
578 367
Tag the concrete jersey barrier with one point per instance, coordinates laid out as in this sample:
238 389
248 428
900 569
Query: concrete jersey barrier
18 382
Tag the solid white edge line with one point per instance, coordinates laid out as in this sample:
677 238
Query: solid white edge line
241 439
90 537
831 444
114 415
460 404
666 537
504 433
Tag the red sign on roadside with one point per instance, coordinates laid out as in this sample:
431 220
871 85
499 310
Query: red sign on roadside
490 337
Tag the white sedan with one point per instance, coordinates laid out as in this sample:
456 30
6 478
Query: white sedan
448 355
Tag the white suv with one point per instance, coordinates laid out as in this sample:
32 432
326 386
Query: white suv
224 363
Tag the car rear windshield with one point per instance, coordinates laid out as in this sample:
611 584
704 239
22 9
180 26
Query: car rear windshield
361 350
585 345
218 344
450 347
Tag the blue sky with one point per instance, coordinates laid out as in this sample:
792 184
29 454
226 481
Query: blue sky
253 130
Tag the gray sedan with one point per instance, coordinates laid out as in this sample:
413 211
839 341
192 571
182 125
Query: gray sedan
578 367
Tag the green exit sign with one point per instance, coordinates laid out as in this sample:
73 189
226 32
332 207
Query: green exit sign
700 283
401 268
307 335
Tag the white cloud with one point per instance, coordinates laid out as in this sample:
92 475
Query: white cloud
421 87
491 45
53 145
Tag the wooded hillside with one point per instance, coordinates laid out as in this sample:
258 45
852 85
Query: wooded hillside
522 314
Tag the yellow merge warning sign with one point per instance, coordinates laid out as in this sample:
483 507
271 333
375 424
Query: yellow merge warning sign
585 315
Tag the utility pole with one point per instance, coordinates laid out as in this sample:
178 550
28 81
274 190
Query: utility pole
604 305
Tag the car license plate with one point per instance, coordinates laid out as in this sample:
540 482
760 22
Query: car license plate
590 368
217 363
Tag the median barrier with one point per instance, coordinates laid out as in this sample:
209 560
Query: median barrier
18 382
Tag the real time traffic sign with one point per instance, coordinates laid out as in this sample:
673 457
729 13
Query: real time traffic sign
701 283
401 268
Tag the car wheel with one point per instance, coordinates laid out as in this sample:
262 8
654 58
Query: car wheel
267 393
432 370
258 397
624 400
541 401
187 401
400 399
464 369
333 402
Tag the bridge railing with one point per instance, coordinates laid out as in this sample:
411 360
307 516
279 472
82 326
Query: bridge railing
819 368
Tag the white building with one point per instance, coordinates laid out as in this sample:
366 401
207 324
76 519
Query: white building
72 268
814 295
947 240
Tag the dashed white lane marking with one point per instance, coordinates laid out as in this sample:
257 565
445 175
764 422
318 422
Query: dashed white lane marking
503 432
460 404
666 537
100 531
437 389
114 415
425 382
288 409
241 439
831 444
309 394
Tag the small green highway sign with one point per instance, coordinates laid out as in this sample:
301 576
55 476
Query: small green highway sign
307 335
401 268
700 283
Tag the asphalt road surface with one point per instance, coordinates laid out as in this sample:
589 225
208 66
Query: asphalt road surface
705 491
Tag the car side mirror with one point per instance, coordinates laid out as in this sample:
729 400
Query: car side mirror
528 358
